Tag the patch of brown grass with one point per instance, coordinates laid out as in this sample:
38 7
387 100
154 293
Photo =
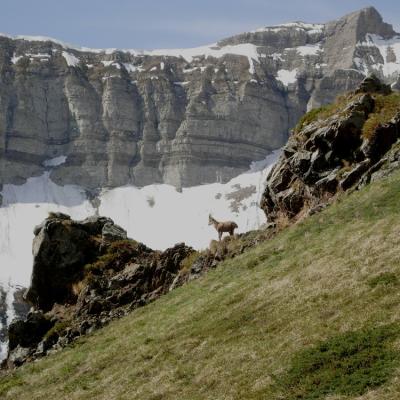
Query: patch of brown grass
386 107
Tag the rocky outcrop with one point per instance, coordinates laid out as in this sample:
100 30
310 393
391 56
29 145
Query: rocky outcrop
335 149
123 276
86 273
107 118
61 248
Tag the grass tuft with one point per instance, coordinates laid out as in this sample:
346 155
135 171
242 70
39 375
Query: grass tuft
386 107
347 364
384 279
118 254
187 262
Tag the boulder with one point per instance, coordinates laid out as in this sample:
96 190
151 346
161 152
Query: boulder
111 232
372 84
29 332
17 356
61 249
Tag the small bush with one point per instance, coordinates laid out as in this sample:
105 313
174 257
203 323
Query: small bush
385 279
340 103
386 107
117 256
310 117
187 262
348 364
57 329
252 263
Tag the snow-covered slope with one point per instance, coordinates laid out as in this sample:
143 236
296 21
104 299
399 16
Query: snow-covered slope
157 215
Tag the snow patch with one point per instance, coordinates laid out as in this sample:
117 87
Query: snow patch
246 50
111 63
276 56
310 28
308 49
15 58
24 207
65 45
132 68
55 162
189 70
182 83
71 60
287 77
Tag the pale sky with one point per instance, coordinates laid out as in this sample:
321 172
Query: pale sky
144 24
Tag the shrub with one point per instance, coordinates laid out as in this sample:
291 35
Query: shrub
117 256
385 278
187 262
56 330
348 364
310 117
386 107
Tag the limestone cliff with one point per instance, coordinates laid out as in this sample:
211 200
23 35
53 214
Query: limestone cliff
183 117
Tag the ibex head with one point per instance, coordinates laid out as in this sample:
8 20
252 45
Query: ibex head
210 219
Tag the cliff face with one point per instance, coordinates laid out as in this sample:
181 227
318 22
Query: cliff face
184 117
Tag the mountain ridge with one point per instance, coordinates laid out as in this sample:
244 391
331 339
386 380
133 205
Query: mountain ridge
180 116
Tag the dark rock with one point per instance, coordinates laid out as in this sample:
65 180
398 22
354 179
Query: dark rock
111 232
132 273
94 225
98 305
300 162
317 209
371 84
61 249
59 255
382 139
30 332
59 215
329 183
352 177
18 356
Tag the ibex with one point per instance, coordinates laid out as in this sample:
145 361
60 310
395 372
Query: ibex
221 227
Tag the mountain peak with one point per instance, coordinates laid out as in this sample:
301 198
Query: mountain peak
364 21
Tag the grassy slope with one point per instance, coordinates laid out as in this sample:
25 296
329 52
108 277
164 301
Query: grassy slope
226 335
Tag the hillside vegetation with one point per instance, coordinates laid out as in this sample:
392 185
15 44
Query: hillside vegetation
312 314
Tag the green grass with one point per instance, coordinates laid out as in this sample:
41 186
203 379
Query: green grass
385 279
347 364
254 327
326 111
314 115
56 330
